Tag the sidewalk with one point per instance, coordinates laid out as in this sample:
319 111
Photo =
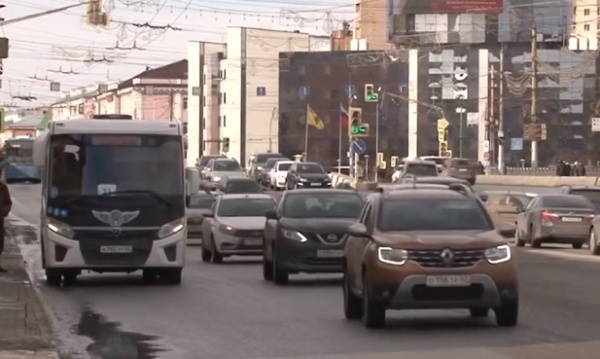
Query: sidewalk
25 330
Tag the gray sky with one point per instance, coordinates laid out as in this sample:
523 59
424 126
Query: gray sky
63 41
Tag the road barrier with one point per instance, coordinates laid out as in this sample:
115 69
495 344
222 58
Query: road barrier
537 181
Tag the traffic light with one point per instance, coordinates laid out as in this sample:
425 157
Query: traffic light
225 144
443 149
357 128
370 94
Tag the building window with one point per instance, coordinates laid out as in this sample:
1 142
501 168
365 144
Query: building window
185 103
204 79
224 120
220 98
80 109
203 101
586 12
224 97
586 27
185 128
261 91
204 124
574 10
224 74
219 122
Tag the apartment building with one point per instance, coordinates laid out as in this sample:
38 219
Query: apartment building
584 28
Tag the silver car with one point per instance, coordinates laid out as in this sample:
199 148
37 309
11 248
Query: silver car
197 206
223 167
557 218
236 226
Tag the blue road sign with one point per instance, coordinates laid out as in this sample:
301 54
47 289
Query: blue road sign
359 146
304 91
350 90
516 144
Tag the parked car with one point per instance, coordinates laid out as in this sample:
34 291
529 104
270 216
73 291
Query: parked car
278 174
197 206
307 175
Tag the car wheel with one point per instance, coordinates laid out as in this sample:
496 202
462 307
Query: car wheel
594 248
280 276
206 254
479 312
172 276
53 277
535 242
507 315
149 275
352 304
215 257
373 312
267 267
520 242
577 245
69 279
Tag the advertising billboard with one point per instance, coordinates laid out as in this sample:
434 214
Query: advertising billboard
453 6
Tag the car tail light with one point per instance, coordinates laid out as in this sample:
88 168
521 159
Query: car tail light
549 216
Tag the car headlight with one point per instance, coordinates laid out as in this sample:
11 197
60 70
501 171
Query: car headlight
259 168
392 256
294 235
498 254
327 179
303 180
171 228
60 228
216 179
225 229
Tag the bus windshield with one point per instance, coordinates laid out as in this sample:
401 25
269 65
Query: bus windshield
19 151
116 165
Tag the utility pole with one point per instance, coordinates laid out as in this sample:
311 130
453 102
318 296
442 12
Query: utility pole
491 116
501 137
534 95
171 105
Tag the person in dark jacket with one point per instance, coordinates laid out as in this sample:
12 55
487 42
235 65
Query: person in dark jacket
560 168
5 207
567 169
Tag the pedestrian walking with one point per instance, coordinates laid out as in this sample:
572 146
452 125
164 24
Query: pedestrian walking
5 207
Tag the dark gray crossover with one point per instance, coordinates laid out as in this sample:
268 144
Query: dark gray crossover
306 233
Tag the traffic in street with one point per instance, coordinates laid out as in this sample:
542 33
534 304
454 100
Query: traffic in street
229 311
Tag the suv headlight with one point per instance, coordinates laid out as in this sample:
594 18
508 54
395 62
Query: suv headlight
392 256
216 179
171 228
59 228
498 254
226 229
294 235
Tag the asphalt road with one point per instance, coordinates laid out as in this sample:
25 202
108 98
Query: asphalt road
226 311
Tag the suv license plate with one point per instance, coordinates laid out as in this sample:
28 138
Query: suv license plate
448 281
116 249
330 253
315 184
253 242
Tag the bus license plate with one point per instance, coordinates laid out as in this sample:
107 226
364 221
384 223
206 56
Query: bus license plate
116 249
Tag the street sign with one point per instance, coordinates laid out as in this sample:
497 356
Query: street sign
595 124
350 91
442 124
304 91
359 146
535 131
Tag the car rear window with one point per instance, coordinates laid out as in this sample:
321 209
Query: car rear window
242 186
566 201
465 163
201 201
433 214
506 199
204 159
264 157
323 205
422 169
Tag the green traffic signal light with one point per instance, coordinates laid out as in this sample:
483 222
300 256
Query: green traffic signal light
359 130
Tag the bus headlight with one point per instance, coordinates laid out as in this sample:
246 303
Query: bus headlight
171 228
60 228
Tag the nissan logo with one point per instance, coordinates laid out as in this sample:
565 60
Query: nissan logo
116 232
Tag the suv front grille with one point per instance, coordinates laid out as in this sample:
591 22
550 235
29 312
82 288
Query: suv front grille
433 258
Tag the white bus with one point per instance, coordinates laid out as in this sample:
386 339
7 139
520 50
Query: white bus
113 198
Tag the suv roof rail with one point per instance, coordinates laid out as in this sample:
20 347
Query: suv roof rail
462 189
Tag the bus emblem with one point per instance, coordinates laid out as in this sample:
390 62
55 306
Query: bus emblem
115 218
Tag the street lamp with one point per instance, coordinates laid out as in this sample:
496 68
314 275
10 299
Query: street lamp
461 111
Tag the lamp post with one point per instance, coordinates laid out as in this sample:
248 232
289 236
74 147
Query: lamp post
461 111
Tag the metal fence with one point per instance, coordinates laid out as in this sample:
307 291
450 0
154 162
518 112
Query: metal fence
540 171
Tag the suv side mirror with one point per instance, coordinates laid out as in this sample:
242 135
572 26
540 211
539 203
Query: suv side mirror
271 214
358 230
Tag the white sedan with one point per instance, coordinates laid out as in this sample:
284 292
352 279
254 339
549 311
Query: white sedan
278 174
236 226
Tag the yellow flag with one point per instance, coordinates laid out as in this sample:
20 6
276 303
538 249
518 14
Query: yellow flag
312 119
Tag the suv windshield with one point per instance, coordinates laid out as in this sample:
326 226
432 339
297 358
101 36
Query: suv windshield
326 205
310 168
201 201
226 166
566 201
245 207
242 186
433 214
423 170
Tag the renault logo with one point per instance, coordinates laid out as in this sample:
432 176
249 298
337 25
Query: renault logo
447 256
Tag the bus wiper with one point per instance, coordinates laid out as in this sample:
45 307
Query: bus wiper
153 194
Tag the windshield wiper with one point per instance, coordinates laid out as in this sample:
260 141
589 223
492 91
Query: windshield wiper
153 194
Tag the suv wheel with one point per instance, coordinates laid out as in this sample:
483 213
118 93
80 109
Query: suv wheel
53 277
267 268
577 245
280 276
479 312
215 257
507 315
373 312
520 242
594 248
352 304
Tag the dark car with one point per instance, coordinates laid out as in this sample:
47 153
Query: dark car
257 163
238 185
425 246
590 192
306 233
269 165
307 175
197 206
